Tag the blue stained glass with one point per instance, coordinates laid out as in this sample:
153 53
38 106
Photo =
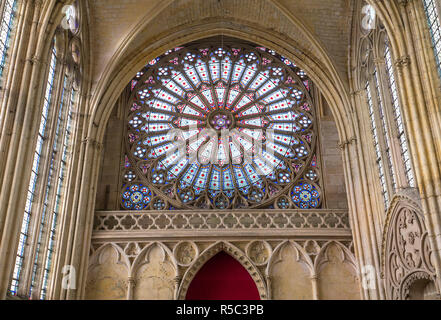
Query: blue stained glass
433 19
7 21
305 196
136 197
215 179
34 174
254 96
227 179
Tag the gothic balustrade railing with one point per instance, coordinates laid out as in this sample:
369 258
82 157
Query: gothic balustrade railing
210 222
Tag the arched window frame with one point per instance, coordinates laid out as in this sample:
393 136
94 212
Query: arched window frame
432 9
8 10
19 274
392 150
150 185
51 166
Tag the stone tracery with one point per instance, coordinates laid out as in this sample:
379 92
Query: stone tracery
363 208
406 251
228 103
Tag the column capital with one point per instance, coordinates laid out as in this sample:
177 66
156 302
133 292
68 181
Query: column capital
378 61
342 145
403 61
36 61
358 92
314 277
95 144
404 3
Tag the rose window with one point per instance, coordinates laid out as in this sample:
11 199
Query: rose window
225 128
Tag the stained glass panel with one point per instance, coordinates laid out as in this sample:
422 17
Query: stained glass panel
379 158
34 175
384 124
7 16
211 127
433 19
398 118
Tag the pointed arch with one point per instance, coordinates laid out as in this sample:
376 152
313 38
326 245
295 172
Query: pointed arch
135 50
96 257
406 250
275 256
347 255
234 252
107 273
144 253
290 275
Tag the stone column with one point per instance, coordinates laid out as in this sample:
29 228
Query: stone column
177 282
362 221
18 141
82 217
130 288
426 149
315 290
269 287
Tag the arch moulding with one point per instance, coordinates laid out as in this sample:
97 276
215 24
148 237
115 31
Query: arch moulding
132 58
209 253
406 250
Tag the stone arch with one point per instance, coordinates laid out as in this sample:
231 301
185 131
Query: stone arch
145 251
273 259
419 285
305 50
300 282
337 273
108 270
406 250
97 255
153 273
209 253
347 255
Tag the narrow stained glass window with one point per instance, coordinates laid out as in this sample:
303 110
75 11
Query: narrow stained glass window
433 19
45 217
398 118
58 198
384 124
7 16
34 175
379 158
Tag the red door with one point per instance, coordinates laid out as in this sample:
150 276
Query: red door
222 278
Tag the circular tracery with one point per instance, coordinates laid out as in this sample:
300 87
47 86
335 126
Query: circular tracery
229 127
221 120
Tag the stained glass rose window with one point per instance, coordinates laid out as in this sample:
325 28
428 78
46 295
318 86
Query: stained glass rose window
229 127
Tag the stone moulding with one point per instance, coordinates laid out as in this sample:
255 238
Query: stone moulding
271 223
233 251
406 250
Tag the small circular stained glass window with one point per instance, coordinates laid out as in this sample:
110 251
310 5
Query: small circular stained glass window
224 127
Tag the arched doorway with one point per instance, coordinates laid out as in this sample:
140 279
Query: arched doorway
222 278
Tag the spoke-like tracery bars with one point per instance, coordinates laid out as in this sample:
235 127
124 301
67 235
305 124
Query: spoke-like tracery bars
230 127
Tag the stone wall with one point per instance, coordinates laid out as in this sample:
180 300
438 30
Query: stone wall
281 269
331 160
330 154
108 186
